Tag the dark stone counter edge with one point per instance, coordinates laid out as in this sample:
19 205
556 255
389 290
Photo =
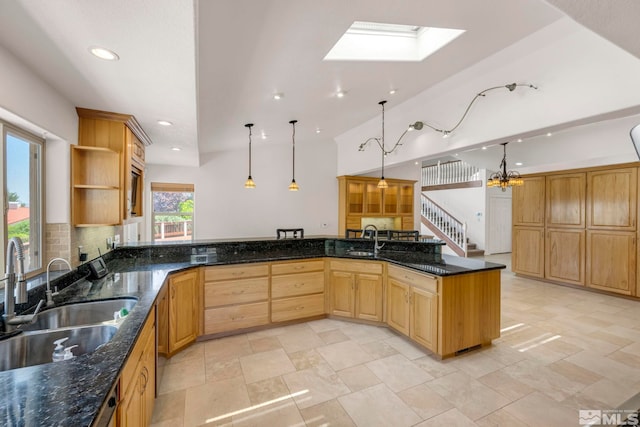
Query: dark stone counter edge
72 392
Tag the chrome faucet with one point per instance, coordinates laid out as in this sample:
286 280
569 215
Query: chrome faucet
16 294
49 293
376 246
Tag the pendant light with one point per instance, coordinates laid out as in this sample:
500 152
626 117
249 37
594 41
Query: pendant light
382 183
504 178
249 183
293 186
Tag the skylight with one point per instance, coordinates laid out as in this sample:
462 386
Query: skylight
374 41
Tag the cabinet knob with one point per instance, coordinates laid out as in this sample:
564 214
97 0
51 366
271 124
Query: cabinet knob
298 285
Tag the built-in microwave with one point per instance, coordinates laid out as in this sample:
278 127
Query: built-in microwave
135 202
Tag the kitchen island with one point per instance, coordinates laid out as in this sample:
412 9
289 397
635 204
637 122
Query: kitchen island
73 392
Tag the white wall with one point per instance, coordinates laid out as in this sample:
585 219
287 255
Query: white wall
225 209
28 102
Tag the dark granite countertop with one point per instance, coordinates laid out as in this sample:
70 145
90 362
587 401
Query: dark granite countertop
73 391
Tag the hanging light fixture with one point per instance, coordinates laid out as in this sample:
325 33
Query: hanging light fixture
249 183
293 186
382 183
504 178
445 132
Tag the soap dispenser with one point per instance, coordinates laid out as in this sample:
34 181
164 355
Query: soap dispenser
58 351
67 352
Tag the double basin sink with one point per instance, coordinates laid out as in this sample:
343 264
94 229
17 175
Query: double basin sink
87 325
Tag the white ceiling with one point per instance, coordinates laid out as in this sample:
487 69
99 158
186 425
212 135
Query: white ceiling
210 66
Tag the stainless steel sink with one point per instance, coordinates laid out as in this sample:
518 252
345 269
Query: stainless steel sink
35 348
84 313
360 253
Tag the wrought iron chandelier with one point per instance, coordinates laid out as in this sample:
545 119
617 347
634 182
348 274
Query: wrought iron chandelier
503 178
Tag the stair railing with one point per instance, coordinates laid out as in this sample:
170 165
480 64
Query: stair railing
454 229
453 172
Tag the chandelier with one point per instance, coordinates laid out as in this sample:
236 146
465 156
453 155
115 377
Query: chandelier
504 178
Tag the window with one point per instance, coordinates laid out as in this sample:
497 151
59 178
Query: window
173 209
23 191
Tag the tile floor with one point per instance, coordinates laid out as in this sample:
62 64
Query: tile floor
561 350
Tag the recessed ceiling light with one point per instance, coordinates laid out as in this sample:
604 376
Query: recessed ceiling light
341 93
376 41
164 123
392 92
277 96
519 140
102 53
176 148
264 135
549 134
484 148
416 163
318 130
518 163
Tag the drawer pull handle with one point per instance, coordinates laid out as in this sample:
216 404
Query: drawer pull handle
238 273
299 267
237 317
298 285
238 292
300 307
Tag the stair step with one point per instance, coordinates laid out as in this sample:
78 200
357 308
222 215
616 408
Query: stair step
471 246
475 252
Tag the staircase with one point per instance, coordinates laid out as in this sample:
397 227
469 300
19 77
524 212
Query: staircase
446 227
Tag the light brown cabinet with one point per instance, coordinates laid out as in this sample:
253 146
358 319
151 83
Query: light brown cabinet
183 309
590 232
565 255
356 289
527 256
412 305
162 325
235 297
297 290
565 200
529 202
111 149
611 261
137 381
612 199
360 197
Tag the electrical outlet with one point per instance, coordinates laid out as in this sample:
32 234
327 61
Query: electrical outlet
116 239
324 225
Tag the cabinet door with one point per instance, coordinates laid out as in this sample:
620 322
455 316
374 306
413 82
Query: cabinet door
566 200
342 293
391 199
424 318
355 197
611 261
183 309
528 251
612 199
162 310
369 297
528 202
564 255
130 409
406 199
398 313
373 199
148 372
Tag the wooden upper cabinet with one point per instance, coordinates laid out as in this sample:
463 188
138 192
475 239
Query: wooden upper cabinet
612 199
528 202
355 197
565 196
373 199
391 200
122 135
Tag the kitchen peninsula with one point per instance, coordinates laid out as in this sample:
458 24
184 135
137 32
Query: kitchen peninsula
445 304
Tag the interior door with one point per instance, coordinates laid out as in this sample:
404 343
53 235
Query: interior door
499 225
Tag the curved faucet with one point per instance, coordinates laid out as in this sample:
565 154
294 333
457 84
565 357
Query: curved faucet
376 246
48 292
15 250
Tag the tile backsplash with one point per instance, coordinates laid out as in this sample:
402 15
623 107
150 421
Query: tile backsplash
62 240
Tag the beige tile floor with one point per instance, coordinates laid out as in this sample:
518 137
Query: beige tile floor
561 350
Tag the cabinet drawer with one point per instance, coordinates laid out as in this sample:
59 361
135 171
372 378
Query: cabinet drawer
357 266
297 267
235 272
235 291
297 308
422 281
297 284
235 317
